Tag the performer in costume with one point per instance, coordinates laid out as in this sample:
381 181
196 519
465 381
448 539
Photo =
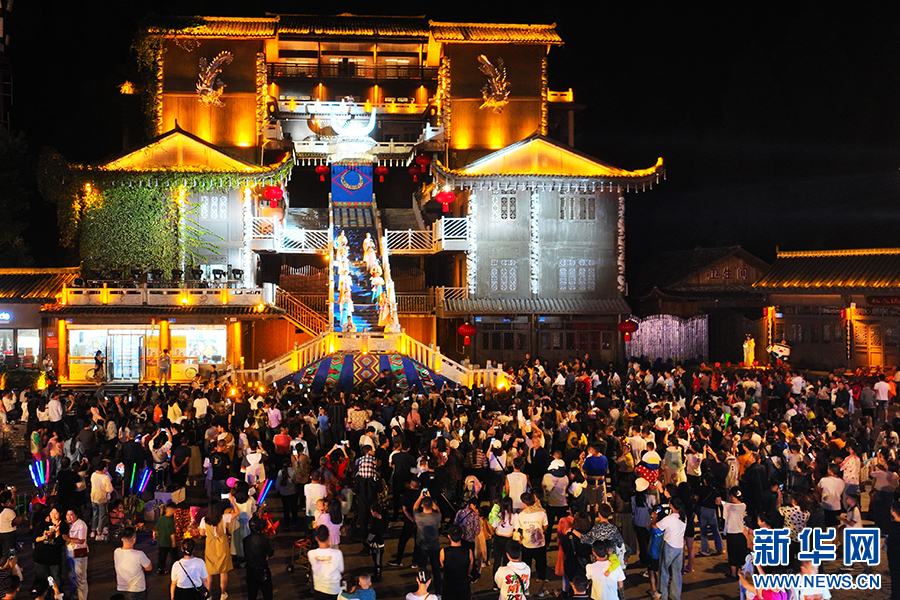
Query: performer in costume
377 282
369 253
385 319
749 351
345 298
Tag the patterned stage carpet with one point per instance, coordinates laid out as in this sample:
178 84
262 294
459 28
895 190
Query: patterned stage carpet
360 371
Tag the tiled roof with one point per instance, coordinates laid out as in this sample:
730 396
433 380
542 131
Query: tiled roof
353 25
34 285
495 32
610 306
162 311
877 268
220 27
668 268
540 156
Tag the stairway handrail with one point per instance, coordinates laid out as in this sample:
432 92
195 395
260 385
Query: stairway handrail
386 267
301 314
330 263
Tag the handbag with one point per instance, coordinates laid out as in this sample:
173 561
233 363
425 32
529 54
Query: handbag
200 591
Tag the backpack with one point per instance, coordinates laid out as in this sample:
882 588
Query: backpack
656 542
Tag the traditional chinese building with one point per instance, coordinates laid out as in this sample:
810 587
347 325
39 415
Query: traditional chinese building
706 295
835 307
271 136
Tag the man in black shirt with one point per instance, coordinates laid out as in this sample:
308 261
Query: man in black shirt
181 456
258 551
403 463
132 456
410 495
67 484
220 464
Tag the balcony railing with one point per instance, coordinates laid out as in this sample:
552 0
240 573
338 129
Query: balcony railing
349 71
447 234
268 234
145 296
415 303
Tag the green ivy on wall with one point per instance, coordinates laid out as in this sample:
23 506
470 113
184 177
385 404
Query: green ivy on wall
131 226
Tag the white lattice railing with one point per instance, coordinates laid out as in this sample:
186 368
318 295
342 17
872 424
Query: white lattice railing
449 293
303 240
410 241
264 228
451 228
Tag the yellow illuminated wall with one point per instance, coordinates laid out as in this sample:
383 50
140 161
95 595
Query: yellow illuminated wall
231 125
474 128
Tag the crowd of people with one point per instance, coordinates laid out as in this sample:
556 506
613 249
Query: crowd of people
613 472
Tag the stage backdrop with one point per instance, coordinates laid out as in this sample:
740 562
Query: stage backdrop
668 336
351 185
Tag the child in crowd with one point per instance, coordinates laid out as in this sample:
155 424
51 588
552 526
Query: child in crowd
362 591
164 534
605 573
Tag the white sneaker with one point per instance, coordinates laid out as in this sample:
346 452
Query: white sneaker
224 596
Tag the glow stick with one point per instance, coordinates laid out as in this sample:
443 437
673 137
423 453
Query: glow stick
727 418
33 478
145 478
133 471
265 492
39 467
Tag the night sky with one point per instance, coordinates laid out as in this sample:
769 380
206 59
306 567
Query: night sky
779 123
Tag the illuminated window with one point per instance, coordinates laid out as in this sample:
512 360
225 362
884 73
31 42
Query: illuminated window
503 275
214 208
577 275
503 208
573 208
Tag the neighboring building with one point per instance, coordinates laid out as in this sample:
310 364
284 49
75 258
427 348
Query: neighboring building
713 283
251 115
835 307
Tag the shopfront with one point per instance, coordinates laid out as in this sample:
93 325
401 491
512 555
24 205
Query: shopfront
130 353
20 334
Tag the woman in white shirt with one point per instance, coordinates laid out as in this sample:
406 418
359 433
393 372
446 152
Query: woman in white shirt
502 522
734 512
188 573
332 519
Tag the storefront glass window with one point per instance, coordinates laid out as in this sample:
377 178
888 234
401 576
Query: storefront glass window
28 345
83 344
195 346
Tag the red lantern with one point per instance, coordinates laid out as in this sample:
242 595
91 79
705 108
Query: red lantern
414 171
322 171
273 203
467 330
446 198
423 161
381 171
627 326
273 192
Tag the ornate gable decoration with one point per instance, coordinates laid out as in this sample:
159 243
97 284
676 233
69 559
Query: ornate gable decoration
496 91
209 86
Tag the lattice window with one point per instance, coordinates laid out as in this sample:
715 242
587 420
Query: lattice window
860 335
892 336
214 208
577 275
503 275
503 208
577 208
826 333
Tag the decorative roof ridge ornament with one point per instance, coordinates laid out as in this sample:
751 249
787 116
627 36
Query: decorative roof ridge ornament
496 91
209 86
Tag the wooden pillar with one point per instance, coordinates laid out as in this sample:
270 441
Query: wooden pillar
236 341
165 343
62 337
